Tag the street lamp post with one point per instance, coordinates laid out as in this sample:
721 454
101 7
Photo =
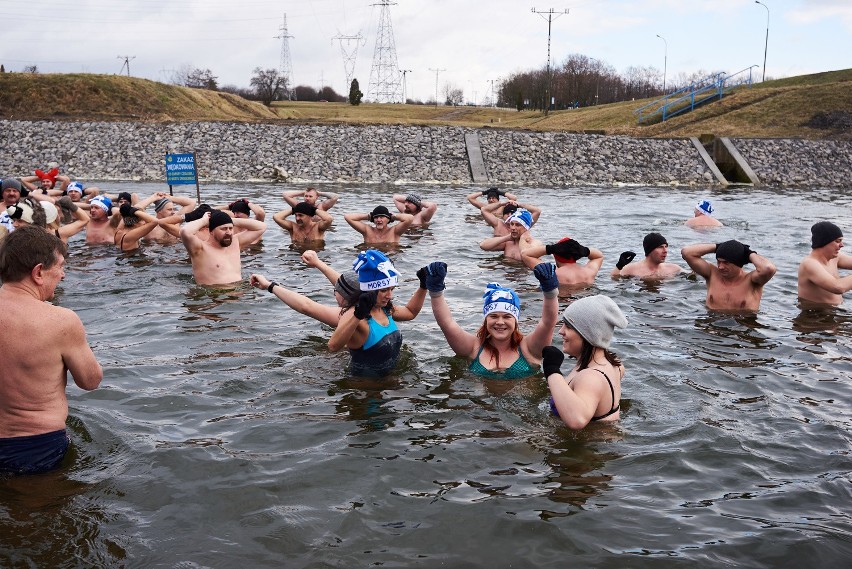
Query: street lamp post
765 45
665 60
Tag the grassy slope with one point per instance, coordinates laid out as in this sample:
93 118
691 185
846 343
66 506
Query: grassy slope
771 109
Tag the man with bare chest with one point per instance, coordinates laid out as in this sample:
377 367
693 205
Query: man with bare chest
102 225
310 222
216 260
517 240
729 287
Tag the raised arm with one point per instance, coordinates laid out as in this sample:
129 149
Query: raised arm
356 222
764 269
311 259
534 211
595 259
412 307
300 303
428 210
325 219
281 219
432 279
253 230
531 256
404 221
490 213
259 212
693 254
473 199
81 219
817 274
399 202
189 234
495 243
542 336
291 197
329 201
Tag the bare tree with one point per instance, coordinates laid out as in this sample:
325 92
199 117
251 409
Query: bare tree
201 79
453 95
268 84
30 69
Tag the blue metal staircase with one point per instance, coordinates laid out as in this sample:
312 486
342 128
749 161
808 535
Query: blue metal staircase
711 88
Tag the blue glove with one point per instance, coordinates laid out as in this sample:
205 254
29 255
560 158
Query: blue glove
546 275
433 276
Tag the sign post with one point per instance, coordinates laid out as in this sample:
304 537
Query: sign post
181 170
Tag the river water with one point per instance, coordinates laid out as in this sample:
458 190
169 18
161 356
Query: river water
225 434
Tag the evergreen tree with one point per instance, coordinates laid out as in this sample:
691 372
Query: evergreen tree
355 94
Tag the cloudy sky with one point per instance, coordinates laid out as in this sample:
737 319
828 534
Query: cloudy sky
470 42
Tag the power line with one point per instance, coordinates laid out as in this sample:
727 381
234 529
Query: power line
550 17
349 53
437 71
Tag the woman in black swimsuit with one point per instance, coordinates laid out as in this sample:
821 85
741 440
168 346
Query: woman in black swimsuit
592 390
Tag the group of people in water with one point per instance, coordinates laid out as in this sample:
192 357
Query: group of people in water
43 211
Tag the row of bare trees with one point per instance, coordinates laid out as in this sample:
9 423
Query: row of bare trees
582 81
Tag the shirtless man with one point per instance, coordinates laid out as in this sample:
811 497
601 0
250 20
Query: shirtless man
311 196
306 228
703 216
819 278
166 206
653 266
137 224
498 220
103 224
517 240
46 182
33 404
729 287
566 253
381 231
492 195
421 209
216 260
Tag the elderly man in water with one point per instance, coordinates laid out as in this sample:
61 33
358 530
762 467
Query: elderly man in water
33 405
412 203
216 260
703 217
729 286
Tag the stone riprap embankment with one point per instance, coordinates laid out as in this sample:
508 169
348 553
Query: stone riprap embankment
798 163
394 154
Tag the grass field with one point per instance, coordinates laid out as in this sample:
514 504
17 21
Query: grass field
774 109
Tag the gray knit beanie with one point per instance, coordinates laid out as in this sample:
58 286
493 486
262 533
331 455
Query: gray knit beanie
595 318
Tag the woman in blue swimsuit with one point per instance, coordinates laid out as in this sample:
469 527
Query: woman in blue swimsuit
592 390
370 331
498 350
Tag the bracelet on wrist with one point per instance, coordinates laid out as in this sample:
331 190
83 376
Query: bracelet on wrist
271 285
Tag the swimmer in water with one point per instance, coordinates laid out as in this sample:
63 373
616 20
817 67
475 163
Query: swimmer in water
653 266
703 217
592 390
310 223
216 260
369 330
566 252
498 350
729 287
517 239
381 231
413 204
819 276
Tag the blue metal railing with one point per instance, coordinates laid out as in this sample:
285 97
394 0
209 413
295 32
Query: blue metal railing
712 87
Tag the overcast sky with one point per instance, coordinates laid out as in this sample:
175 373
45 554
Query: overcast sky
471 42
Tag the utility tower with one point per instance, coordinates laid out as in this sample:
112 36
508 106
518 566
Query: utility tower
350 53
286 67
384 76
126 63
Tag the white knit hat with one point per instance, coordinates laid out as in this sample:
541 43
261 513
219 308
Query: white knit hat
595 318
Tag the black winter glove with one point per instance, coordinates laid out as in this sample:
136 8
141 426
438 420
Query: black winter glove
433 276
197 213
625 259
127 210
569 249
366 302
551 360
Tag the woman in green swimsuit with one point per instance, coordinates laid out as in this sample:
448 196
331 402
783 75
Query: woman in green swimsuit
592 390
498 350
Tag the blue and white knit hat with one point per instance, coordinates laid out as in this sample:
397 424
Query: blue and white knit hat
74 187
705 207
102 202
375 271
522 216
500 299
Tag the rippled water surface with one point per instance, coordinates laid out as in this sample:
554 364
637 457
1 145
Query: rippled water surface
225 434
